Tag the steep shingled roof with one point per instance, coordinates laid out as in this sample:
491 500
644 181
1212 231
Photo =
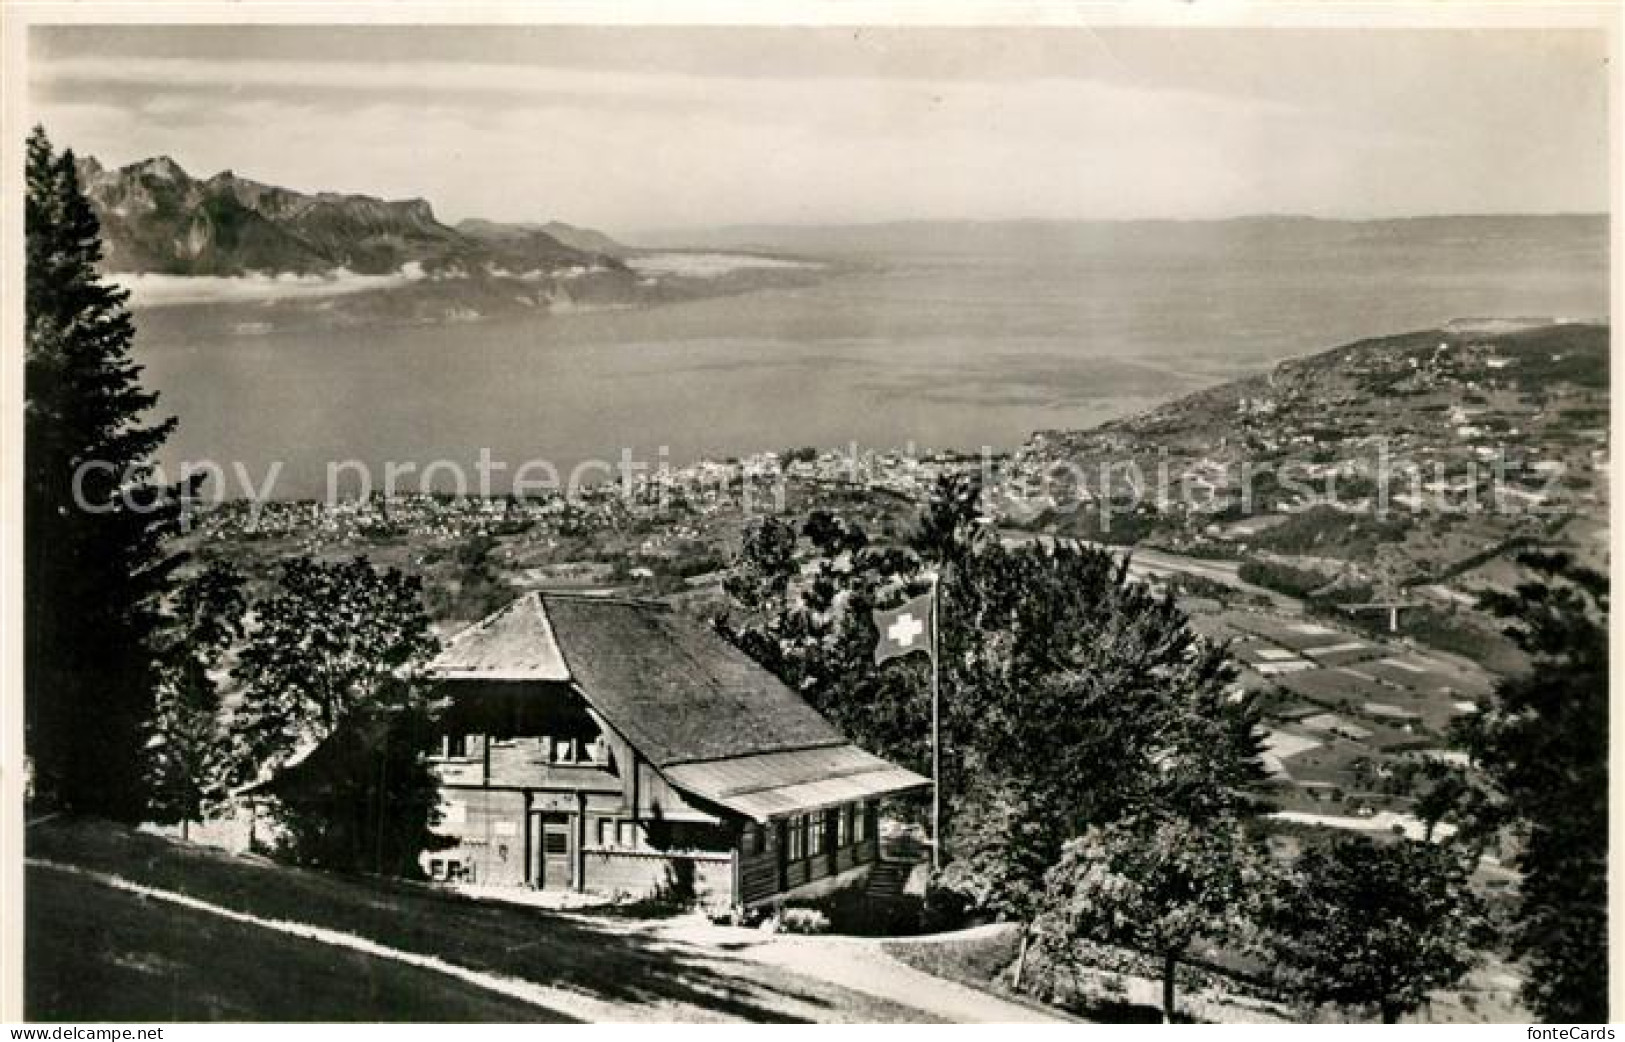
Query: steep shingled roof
515 643
712 721
676 690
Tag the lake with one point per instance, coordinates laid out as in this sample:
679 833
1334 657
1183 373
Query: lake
949 336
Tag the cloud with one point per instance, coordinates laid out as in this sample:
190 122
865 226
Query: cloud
147 290
1182 125
469 80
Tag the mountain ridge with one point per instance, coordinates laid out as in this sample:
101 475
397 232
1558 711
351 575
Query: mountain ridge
577 238
158 219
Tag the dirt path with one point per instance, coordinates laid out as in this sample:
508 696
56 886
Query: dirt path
1208 1005
858 964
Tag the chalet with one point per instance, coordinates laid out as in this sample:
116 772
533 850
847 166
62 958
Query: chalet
613 746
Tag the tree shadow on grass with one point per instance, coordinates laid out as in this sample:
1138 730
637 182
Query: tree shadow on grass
95 953
605 963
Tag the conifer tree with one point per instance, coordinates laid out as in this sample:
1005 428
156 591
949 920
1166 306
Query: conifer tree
187 748
94 517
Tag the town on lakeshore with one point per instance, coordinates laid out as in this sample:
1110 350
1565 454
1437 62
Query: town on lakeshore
1128 614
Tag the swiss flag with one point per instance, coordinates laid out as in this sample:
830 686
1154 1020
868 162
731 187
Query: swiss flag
906 629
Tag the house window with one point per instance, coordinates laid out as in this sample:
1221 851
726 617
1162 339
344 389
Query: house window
614 834
843 826
575 750
454 746
815 835
437 868
860 823
619 834
755 839
798 837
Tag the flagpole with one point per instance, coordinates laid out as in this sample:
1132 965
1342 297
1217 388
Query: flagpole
936 730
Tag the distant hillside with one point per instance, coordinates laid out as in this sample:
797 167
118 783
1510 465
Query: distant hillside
156 218
1405 468
1044 237
1390 385
585 239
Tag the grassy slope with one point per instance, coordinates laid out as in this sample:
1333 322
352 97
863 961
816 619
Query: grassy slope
94 953
978 961
601 959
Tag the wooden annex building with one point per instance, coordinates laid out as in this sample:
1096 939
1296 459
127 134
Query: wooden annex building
613 746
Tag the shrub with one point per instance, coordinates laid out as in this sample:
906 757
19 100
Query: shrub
1327 531
853 910
944 909
749 918
1282 578
803 920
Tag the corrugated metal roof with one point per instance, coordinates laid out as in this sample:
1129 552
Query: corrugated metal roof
516 643
774 784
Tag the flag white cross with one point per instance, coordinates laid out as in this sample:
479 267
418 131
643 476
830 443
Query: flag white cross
905 630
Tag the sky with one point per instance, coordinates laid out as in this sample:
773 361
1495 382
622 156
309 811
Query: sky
638 128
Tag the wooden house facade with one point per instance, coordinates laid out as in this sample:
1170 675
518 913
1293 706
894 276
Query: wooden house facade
612 746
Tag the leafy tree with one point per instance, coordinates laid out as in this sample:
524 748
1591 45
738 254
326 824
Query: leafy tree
335 719
94 519
1071 694
364 800
1359 923
1442 792
761 575
330 639
1544 748
1079 698
1006 844
1058 671
480 590
952 524
186 749
819 637
1156 884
